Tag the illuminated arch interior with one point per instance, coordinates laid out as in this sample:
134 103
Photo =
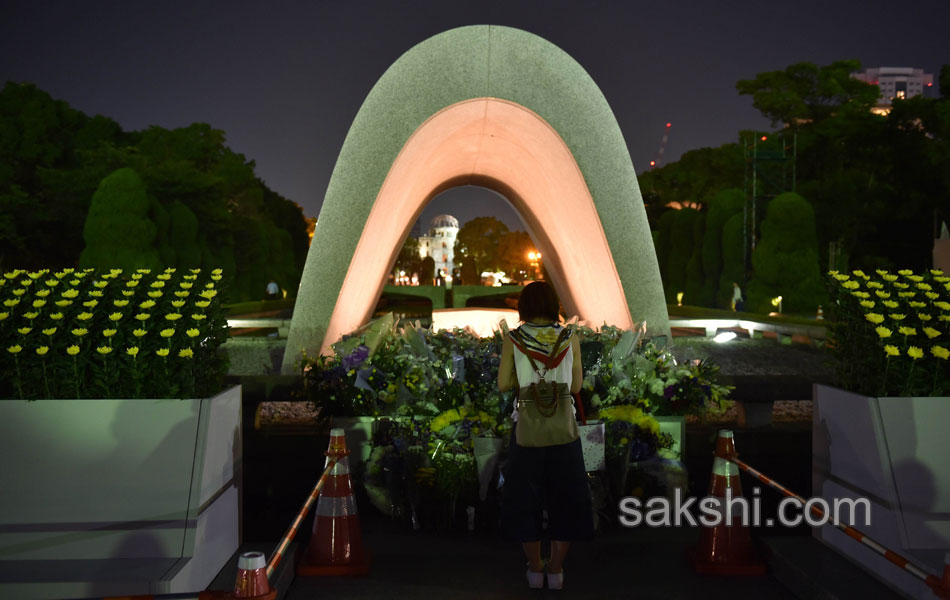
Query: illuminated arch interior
505 147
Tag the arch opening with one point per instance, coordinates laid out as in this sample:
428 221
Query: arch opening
509 149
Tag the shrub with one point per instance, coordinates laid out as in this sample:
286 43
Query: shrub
722 207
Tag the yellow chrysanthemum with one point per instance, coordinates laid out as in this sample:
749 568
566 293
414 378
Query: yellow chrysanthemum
905 272
138 332
172 317
31 315
155 294
185 285
202 304
178 303
932 295
108 332
897 317
157 284
84 316
120 303
915 352
133 351
43 293
924 286
875 285
15 349
942 305
215 272
940 352
49 331
924 316
166 333
839 276
103 350
147 304
4 315
162 352
19 292
851 285
216 277
907 331
91 303
63 303
889 277
867 303
881 294
131 283
192 332
198 317
186 353
901 285
182 294
907 294
24 330
79 331
100 284
116 316
890 304
72 350
42 350
10 303
163 277
931 332
915 278
56 316
891 350
915 304
874 318
209 294
142 316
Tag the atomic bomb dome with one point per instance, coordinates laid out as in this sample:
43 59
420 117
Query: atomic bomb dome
440 243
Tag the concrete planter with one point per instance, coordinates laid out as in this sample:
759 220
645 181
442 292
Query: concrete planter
892 451
118 497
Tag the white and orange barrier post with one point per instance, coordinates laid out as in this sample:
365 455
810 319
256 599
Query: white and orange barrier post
726 549
336 547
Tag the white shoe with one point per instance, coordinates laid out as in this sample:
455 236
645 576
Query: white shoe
555 580
535 580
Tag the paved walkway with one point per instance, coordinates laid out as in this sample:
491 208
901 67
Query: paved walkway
636 563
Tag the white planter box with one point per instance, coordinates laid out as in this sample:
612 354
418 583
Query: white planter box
118 497
894 452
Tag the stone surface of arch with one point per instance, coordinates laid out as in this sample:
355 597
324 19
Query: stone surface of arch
497 107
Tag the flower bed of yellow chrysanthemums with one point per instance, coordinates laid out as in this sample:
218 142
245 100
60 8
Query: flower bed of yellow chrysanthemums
82 333
891 332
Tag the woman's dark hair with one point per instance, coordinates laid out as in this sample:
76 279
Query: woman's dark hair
538 300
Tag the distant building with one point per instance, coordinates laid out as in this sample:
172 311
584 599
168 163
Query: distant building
895 83
440 243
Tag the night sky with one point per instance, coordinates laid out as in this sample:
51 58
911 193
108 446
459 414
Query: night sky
285 79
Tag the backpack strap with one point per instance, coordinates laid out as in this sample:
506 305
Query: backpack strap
554 350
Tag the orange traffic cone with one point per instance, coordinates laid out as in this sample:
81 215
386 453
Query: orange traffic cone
726 549
336 546
251 579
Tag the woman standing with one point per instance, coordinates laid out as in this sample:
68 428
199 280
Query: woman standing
549 477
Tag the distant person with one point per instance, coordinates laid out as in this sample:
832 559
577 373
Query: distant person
273 290
736 297
547 477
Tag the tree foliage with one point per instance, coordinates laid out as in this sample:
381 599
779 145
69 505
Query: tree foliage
477 243
204 201
805 92
785 260
720 208
118 232
513 249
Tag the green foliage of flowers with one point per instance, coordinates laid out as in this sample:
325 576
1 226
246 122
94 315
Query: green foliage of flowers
111 334
890 334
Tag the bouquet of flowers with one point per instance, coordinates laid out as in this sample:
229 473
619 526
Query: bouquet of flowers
890 334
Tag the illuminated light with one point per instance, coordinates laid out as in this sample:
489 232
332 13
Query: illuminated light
548 190
679 298
725 336
652 163
765 137
482 321
931 84
669 124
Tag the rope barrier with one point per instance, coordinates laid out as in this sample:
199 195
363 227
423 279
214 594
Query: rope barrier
308 503
939 586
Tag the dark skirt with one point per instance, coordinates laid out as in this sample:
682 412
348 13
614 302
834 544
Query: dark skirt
552 478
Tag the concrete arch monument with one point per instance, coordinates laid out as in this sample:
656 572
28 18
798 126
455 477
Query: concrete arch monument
497 107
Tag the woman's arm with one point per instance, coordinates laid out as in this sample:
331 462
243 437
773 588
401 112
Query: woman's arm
577 375
507 379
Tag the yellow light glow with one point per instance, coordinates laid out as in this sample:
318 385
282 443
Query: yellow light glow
679 298
482 321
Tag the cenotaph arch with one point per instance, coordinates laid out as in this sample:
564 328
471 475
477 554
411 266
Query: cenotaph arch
500 108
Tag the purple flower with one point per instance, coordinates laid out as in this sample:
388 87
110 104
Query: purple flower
355 358
669 392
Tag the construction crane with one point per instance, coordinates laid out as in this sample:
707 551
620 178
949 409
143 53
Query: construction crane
659 153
